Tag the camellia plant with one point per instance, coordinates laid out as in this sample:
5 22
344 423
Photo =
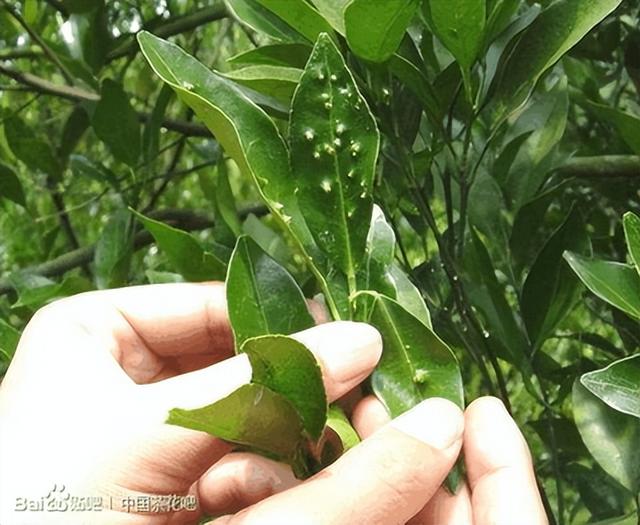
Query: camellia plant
453 172
318 182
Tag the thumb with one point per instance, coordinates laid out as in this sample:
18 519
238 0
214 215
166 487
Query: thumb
388 478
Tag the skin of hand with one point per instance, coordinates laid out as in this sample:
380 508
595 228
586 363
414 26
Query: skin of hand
84 401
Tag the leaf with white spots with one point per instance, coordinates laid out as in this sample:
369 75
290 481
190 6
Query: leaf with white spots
415 365
334 147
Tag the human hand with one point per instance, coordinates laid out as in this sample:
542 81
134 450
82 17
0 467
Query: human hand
84 401
109 366
395 475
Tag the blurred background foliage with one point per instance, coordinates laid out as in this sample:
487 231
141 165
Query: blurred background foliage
483 212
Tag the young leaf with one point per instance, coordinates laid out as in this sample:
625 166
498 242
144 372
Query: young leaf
631 224
185 252
245 131
616 283
116 123
416 364
618 385
300 15
374 30
253 416
382 274
333 12
287 367
10 185
543 43
278 82
340 424
262 297
459 25
334 147
611 437
113 251
551 290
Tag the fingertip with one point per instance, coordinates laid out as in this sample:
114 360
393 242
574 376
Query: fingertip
437 422
347 352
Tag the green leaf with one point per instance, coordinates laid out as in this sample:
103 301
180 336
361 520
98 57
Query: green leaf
287 367
262 297
334 147
459 25
415 365
284 55
600 493
75 126
184 251
83 167
340 424
627 125
10 185
262 20
611 437
151 132
487 294
275 81
34 291
333 12
543 43
374 30
225 202
163 277
116 123
114 250
270 242
551 290
616 283
36 154
618 385
253 416
382 274
631 224
300 15
9 338
245 131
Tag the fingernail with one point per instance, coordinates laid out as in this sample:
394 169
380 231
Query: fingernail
346 349
436 422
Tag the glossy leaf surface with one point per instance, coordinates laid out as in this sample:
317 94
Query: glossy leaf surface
544 42
262 297
611 437
245 131
184 251
415 365
616 283
618 385
374 30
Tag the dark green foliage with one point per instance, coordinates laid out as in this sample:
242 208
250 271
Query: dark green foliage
452 171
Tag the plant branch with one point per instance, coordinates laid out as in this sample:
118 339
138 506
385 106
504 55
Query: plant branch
74 94
602 167
183 219
174 27
43 45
